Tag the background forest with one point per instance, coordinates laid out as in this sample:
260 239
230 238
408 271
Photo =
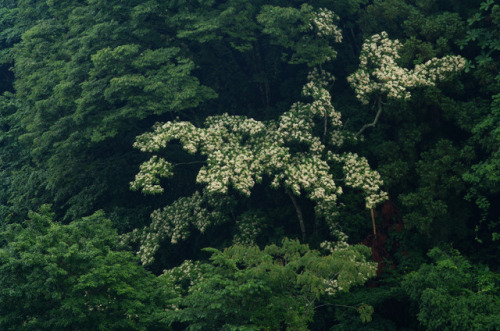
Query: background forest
249 165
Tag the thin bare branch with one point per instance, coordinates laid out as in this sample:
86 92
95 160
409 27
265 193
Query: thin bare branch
374 121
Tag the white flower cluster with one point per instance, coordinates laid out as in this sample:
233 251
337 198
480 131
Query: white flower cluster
175 220
379 72
186 132
238 151
331 286
339 244
328 211
312 174
358 174
249 226
150 172
183 277
324 22
320 77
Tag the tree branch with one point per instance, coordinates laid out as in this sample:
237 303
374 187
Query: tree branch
325 128
335 305
186 163
374 121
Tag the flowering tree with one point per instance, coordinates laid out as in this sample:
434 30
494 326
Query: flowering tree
240 151
379 73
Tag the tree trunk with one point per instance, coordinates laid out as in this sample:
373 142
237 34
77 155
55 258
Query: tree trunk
298 210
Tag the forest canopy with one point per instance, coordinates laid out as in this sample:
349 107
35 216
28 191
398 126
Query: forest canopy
249 165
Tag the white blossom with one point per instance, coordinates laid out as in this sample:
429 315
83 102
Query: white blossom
379 72
324 23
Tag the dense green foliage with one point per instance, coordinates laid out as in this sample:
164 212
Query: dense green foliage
55 277
454 295
318 121
245 288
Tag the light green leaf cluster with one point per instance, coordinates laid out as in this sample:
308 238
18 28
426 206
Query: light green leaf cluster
73 277
183 277
248 288
379 72
352 256
454 294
